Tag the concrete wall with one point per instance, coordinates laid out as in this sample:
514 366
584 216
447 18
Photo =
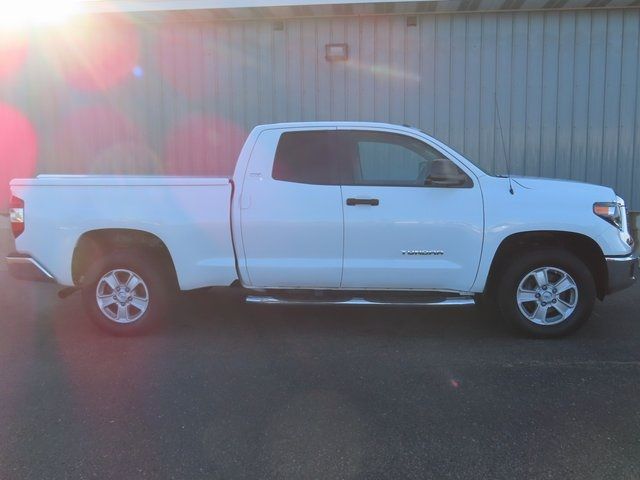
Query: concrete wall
181 97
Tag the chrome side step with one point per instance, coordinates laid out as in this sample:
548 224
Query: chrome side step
436 302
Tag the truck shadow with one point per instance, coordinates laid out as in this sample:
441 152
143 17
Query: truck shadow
216 313
207 312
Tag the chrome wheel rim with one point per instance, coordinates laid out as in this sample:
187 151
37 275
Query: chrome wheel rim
122 296
547 296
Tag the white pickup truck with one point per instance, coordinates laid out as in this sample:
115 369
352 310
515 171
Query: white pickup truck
328 213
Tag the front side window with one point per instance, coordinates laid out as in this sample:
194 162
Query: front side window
388 159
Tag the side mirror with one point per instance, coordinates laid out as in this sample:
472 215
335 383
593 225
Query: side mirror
444 173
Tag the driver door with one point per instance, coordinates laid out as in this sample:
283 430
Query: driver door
399 232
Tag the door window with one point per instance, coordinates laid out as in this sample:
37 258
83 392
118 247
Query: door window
387 159
355 157
307 157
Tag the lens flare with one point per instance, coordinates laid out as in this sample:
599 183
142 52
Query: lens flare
25 13
98 53
190 61
126 158
202 144
87 133
18 149
175 49
13 53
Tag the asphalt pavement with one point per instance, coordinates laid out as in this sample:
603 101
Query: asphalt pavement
228 391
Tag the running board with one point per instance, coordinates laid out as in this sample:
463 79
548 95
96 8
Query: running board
436 302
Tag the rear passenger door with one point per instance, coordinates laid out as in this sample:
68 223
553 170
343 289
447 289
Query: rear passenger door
291 211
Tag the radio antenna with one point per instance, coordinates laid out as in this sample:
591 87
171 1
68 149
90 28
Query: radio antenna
507 160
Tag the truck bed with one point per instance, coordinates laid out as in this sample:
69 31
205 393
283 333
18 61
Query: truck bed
190 215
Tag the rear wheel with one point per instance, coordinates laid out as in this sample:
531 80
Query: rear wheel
127 292
547 293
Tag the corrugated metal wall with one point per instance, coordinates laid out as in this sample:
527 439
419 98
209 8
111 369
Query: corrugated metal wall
567 86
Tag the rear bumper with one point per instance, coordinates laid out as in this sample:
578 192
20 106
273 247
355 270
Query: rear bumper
622 272
24 267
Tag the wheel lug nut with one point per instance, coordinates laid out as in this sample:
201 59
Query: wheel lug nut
544 304
554 300
537 295
115 298
127 289
544 288
555 290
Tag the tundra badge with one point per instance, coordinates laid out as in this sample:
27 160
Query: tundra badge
427 253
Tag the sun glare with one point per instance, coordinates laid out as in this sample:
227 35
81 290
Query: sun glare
26 13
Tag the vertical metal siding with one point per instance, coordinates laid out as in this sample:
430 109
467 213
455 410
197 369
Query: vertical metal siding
566 85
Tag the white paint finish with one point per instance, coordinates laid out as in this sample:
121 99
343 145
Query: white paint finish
544 205
412 218
291 235
291 232
119 181
192 221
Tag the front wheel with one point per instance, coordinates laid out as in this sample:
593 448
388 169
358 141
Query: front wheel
547 293
127 292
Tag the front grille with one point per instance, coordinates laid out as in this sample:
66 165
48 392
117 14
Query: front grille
632 227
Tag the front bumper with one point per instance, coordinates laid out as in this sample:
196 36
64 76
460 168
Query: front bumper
622 272
24 267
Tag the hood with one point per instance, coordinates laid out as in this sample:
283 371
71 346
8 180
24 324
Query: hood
566 187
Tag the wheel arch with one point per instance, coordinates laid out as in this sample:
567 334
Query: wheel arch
97 243
583 246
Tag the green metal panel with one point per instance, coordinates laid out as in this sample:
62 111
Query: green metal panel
566 84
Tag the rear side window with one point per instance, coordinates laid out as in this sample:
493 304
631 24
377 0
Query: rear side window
307 157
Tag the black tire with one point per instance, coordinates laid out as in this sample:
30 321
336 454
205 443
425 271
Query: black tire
161 291
555 258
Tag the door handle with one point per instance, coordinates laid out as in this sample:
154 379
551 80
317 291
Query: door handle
374 202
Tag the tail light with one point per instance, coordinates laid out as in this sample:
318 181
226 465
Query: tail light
16 215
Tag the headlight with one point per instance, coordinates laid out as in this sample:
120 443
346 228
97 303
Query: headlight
609 211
